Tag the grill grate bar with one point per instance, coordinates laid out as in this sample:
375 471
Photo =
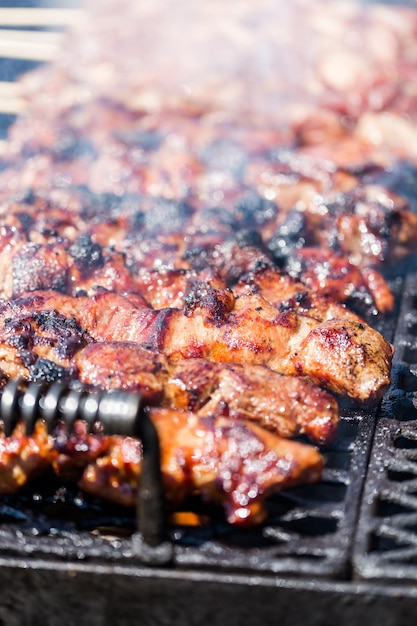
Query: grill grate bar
386 538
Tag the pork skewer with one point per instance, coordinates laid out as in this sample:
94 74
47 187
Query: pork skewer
233 463
219 449
286 405
45 347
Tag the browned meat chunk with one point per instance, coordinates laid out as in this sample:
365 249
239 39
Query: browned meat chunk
233 463
245 330
230 462
286 405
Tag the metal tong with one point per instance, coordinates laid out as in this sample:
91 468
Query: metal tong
108 412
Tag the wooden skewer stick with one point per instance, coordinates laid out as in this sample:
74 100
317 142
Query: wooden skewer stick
12 106
31 36
9 89
21 16
29 45
28 50
11 101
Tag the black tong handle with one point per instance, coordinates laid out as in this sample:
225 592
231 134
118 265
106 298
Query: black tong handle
108 412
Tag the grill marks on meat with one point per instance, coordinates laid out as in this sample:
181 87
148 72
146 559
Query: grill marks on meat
246 330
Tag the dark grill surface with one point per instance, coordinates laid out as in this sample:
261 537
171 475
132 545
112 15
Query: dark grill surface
386 545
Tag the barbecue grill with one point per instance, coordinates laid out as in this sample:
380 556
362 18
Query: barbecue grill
342 550
347 542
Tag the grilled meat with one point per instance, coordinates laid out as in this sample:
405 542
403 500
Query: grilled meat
206 248
45 347
41 248
287 293
286 405
248 330
233 463
230 462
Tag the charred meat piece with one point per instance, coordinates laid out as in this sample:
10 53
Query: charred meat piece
245 330
287 293
40 345
326 272
232 463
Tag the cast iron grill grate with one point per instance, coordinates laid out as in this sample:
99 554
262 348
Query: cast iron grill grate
386 542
